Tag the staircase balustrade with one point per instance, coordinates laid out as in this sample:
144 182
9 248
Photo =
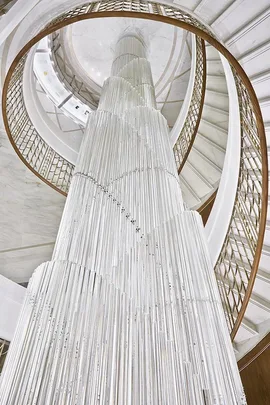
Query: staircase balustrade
4 345
189 130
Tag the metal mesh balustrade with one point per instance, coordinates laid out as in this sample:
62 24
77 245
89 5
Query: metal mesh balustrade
4 345
30 146
188 133
238 259
238 262
5 6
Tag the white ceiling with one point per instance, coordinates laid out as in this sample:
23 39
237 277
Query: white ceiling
91 44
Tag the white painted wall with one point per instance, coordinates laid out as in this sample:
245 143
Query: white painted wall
14 16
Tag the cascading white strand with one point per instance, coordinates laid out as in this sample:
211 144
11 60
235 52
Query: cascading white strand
127 311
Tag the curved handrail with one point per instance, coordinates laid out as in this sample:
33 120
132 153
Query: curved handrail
249 214
38 156
185 140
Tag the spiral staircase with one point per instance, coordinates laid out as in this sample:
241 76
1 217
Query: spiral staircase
217 134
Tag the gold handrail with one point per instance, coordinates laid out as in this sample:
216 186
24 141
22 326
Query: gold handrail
249 214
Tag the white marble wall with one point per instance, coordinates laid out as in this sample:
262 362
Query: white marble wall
30 212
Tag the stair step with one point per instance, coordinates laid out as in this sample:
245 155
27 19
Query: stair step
206 158
215 116
256 312
190 196
262 275
216 109
195 180
211 52
220 100
243 335
256 299
214 132
214 67
221 93
249 326
260 302
211 143
202 164
216 83
200 175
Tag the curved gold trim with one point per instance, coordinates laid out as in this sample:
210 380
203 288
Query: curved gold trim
123 9
205 209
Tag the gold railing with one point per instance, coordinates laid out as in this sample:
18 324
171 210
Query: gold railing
188 133
4 345
68 77
5 5
239 259
238 262
29 145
